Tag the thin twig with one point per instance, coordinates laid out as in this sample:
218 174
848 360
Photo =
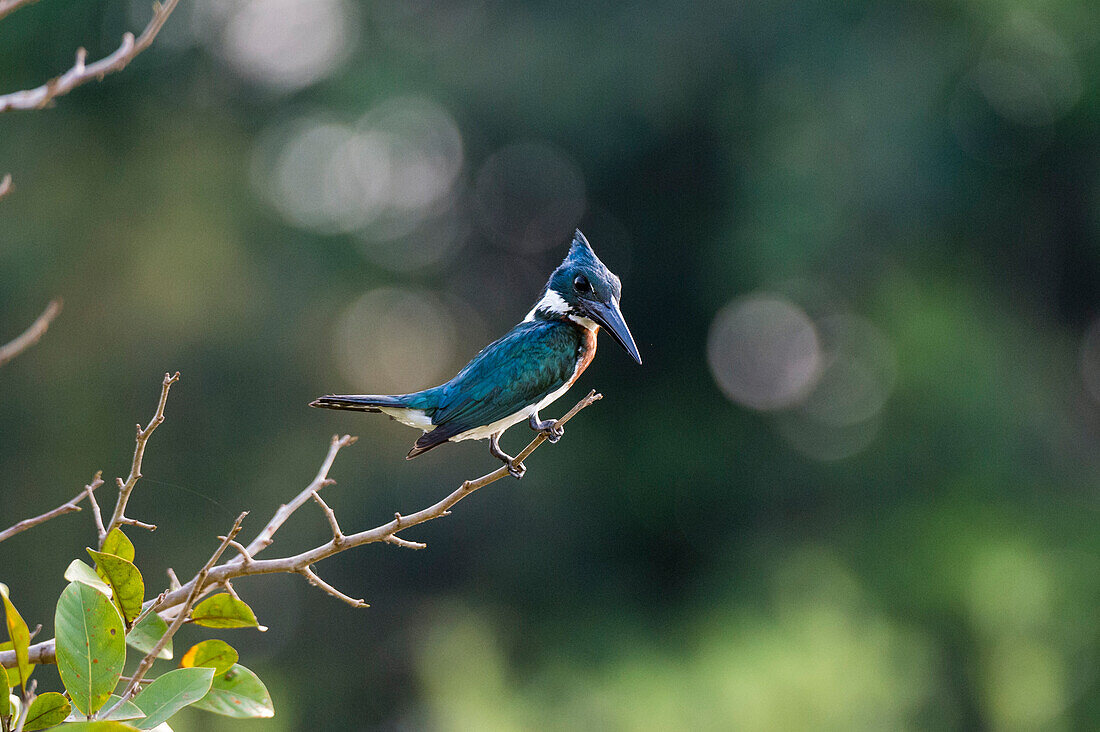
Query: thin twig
398 541
320 584
197 583
264 538
241 550
97 515
44 652
337 535
37 329
126 521
81 72
125 488
69 507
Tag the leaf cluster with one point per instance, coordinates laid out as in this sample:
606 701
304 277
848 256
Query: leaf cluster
100 613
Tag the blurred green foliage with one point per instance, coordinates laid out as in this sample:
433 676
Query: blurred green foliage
283 213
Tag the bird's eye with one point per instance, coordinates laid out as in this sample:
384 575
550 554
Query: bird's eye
581 284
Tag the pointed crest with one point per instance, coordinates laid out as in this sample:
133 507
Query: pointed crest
579 241
581 251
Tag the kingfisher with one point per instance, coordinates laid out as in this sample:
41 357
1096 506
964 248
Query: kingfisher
521 373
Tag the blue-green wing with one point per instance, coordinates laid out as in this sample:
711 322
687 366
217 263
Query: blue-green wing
531 361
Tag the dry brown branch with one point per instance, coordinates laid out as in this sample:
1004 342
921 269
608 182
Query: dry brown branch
264 538
181 616
6 186
238 567
245 564
68 507
320 584
37 329
126 488
10 6
81 72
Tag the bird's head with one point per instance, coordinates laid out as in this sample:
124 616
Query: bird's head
585 291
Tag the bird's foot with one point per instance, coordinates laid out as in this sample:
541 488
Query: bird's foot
548 428
515 469
552 433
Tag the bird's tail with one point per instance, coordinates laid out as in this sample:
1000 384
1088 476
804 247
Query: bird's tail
359 402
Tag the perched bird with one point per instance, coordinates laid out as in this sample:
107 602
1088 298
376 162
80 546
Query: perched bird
514 377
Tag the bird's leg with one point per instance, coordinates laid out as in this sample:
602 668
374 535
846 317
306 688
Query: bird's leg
546 427
517 471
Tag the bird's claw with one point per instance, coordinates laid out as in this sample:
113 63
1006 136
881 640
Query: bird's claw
553 433
516 470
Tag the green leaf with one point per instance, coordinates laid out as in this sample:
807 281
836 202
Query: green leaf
238 693
20 637
78 571
90 646
118 544
46 710
223 611
172 692
101 726
214 653
128 589
147 632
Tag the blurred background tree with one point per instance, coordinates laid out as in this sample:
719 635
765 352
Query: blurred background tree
852 487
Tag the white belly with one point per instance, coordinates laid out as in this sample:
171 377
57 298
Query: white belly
481 433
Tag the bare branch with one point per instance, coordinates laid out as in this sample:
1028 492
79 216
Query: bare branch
81 72
319 583
126 488
181 616
10 6
337 535
263 540
97 516
241 549
69 507
246 564
236 567
125 521
38 328
6 186
398 541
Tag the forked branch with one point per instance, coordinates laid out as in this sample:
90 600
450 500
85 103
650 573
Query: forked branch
126 488
175 603
67 507
81 72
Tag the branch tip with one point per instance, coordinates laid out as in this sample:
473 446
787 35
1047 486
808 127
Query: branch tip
82 72
38 328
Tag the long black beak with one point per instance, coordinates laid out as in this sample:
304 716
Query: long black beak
610 317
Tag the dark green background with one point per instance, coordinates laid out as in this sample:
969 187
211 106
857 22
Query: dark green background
923 553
